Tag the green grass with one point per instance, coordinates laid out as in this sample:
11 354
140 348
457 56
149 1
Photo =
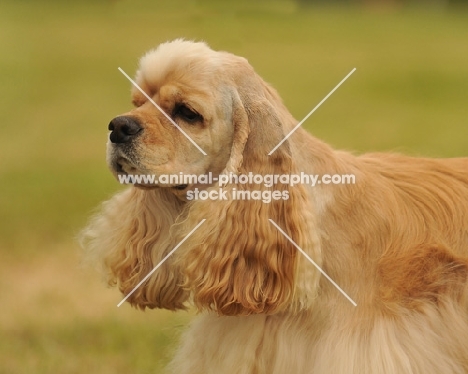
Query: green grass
60 87
107 346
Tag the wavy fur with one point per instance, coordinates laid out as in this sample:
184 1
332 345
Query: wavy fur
396 241
129 237
240 263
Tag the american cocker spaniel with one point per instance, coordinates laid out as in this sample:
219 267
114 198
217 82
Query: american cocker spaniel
395 241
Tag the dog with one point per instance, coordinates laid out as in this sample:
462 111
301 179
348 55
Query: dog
395 241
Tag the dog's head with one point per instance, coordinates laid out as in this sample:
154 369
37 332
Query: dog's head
238 262
193 85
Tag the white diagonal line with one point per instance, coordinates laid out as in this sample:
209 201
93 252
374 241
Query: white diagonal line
311 112
160 263
162 111
313 262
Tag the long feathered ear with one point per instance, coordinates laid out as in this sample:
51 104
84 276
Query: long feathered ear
239 263
129 237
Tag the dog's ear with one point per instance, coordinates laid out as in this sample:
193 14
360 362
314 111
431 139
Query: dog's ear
129 237
239 263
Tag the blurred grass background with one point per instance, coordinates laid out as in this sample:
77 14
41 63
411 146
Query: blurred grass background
59 88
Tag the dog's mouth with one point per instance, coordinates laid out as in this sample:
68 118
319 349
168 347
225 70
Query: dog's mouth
128 173
123 166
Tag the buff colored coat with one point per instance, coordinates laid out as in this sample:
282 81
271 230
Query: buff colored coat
396 241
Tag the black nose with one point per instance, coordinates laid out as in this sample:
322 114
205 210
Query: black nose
124 129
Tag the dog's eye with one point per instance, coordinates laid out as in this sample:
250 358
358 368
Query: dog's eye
187 114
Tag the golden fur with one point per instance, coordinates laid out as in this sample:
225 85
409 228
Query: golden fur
396 241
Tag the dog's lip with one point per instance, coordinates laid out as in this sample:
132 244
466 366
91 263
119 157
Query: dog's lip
124 166
118 168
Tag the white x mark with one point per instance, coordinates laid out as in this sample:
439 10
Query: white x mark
160 263
162 111
312 111
312 262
